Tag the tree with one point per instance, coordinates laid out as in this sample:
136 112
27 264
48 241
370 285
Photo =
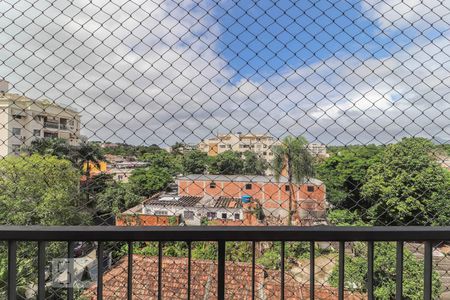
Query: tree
49 146
227 163
164 160
253 164
407 186
37 190
292 157
116 198
148 181
195 162
344 174
385 273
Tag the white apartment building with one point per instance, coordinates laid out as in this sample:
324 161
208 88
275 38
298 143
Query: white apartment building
259 143
23 120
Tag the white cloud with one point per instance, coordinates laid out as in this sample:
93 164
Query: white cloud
149 72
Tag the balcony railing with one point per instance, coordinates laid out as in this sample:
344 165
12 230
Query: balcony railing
51 125
427 235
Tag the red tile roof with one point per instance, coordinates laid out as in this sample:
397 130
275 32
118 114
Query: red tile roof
203 281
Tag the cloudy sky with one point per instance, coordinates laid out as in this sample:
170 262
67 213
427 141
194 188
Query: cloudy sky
147 72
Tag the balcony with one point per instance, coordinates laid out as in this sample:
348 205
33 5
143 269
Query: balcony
51 125
223 279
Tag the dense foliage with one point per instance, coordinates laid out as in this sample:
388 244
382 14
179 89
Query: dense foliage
385 273
407 186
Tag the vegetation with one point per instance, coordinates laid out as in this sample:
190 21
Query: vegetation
148 181
293 157
407 186
384 273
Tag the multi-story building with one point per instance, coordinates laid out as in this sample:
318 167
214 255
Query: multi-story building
23 120
259 143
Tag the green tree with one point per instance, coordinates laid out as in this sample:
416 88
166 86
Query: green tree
148 181
407 186
227 163
253 164
195 162
116 198
344 174
385 273
293 157
37 190
49 146
163 160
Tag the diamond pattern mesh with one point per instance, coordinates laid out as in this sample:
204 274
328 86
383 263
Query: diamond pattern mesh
231 113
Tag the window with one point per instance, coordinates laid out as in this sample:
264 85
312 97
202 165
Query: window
248 186
16 131
36 132
310 188
188 215
222 146
224 215
211 215
287 188
237 216
161 212
212 185
264 153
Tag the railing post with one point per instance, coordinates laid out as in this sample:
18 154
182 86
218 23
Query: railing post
100 271
428 269
130 271
12 270
221 271
399 272
189 244
370 259
70 270
41 270
312 270
283 250
341 269
253 269
160 258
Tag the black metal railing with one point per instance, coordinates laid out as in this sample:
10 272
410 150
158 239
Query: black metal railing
428 235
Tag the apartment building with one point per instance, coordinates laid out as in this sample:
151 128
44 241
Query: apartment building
259 143
23 120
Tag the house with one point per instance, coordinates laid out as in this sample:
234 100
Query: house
203 281
171 209
23 120
309 198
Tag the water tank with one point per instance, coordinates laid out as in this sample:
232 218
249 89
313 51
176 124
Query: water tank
246 199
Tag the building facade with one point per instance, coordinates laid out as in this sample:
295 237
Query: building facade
258 143
23 120
261 144
309 198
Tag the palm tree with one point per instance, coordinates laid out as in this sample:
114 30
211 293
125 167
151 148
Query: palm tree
293 158
86 155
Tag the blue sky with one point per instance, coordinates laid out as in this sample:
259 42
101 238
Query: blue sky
260 38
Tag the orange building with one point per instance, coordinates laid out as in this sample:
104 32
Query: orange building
308 198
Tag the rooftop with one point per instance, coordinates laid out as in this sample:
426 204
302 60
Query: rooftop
243 178
238 281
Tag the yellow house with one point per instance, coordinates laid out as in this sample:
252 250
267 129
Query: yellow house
94 169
